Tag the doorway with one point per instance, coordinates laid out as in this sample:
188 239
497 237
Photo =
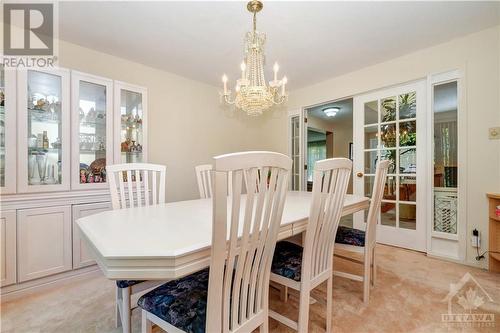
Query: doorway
329 134
389 124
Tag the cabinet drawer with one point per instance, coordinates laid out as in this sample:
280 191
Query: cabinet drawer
82 256
7 248
43 242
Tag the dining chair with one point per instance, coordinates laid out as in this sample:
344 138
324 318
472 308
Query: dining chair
304 268
232 295
204 180
138 184
363 242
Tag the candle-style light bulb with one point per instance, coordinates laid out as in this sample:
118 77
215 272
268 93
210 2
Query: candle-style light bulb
284 82
224 79
243 67
276 68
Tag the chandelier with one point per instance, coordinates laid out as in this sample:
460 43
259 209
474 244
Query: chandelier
252 94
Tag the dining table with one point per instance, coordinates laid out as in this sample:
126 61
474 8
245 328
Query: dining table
172 240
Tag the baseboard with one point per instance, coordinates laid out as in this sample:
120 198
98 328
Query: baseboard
13 292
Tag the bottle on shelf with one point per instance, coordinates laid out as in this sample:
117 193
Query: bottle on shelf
45 140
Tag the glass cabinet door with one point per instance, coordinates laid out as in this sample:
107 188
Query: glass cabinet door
44 130
92 134
130 123
7 130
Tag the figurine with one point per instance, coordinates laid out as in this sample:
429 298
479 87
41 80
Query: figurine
83 178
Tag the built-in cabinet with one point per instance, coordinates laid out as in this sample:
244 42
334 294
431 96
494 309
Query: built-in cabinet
82 256
7 130
130 119
44 241
58 131
7 248
92 141
43 130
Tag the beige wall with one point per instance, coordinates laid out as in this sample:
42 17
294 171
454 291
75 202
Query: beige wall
187 124
479 57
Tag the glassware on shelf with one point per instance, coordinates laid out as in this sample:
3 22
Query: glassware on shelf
41 161
44 126
31 169
131 134
92 132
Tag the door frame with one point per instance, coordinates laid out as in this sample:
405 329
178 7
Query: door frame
401 237
437 241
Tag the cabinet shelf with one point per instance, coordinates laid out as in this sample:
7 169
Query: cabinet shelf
43 150
494 217
91 151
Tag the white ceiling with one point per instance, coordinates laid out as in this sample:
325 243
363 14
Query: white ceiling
344 115
312 41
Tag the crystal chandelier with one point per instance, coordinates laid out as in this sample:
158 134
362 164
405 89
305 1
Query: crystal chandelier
252 94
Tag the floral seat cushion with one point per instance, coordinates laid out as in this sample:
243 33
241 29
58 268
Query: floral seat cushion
182 303
350 236
127 283
287 260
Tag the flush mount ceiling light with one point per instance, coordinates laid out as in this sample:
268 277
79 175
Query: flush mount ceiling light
331 112
253 95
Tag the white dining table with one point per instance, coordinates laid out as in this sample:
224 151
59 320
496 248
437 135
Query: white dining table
171 240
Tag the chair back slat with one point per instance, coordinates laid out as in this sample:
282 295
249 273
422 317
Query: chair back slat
240 265
204 179
376 201
139 184
330 181
147 198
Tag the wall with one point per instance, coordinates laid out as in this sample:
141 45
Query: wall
479 57
187 123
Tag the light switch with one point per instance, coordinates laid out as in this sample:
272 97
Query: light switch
494 133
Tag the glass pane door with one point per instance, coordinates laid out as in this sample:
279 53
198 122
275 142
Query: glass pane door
92 132
7 130
2 126
92 135
389 131
44 124
131 127
295 152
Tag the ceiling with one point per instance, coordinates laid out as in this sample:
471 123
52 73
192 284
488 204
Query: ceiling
312 41
345 113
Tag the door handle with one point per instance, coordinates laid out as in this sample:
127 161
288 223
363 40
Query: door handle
359 174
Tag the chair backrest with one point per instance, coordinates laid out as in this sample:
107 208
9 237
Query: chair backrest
139 184
204 179
240 264
376 201
330 181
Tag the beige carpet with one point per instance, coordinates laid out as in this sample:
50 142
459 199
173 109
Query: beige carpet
407 298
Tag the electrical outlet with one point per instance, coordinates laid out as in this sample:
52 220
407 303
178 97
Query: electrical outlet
475 241
494 133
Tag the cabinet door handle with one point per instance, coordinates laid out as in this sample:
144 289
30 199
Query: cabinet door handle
359 174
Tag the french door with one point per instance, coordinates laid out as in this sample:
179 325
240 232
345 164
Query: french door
389 125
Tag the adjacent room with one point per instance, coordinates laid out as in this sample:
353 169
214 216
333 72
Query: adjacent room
256 166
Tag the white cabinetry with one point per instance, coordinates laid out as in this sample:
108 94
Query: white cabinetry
7 248
43 130
92 120
130 129
81 255
43 241
58 131
7 130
